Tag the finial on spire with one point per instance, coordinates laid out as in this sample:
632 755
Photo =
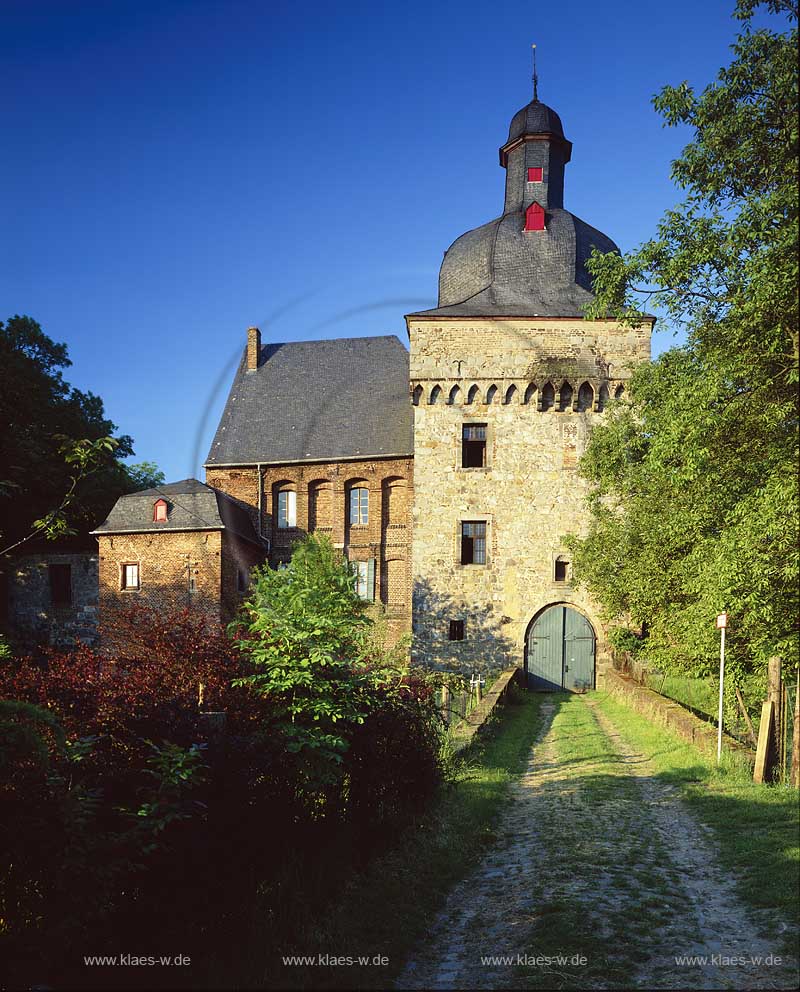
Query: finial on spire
535 77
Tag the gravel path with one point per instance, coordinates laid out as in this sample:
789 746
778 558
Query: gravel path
596 856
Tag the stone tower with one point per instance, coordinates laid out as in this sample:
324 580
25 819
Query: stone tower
507 379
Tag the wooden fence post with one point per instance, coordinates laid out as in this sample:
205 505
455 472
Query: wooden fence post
775 696
446 703
795 775
762 767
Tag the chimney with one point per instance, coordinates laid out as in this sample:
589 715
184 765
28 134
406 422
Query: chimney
253 348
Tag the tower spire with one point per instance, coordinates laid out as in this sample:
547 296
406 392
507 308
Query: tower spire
535 77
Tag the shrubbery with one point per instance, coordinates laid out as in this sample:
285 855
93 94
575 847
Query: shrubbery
126 809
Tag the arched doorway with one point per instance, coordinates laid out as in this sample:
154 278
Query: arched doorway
560 651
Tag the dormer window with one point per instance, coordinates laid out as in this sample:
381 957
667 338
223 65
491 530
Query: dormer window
536 174
160 511
534 217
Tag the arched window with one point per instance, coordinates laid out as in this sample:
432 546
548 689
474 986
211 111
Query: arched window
511 394
320 505
436 395
601 405
491 395
548 396
160 511
619 392
473 396
416 396
455 396
530 392
585 397
285 503
358 504
566 397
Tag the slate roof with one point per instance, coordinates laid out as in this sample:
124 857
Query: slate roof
535 118
318 401
191 505
500 269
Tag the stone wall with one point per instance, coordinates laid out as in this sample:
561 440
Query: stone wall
33 617
529 494
322 506
661 710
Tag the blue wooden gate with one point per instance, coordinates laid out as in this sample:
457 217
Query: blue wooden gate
560 651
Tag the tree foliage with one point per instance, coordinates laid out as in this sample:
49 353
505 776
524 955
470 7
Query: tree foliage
60 466
307 635
694 479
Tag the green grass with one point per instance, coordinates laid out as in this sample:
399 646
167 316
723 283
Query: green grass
387 908
696 694
602 842
755 826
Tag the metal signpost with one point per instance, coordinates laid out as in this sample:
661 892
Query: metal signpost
722 623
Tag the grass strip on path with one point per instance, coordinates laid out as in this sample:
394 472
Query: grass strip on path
756 827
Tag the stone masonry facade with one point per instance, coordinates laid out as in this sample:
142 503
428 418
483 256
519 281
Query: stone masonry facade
52 598
523 379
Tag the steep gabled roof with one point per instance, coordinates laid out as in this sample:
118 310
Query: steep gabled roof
318 401
192 505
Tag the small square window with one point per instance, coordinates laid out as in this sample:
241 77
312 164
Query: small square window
473 542
561 572
536 174
473 446
129 576
60 584
456 630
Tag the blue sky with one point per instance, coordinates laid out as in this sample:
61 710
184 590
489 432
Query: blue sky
176 171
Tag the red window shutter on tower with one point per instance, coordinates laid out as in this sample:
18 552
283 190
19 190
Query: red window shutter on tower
535 174
534 218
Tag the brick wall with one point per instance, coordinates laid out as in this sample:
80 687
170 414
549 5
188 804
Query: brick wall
322 506
167 562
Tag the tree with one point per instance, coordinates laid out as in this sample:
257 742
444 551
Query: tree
307 635
145 475
694 502
61 467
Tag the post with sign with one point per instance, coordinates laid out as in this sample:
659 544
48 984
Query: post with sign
722 623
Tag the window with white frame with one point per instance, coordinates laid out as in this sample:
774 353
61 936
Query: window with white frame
359 505
129 576
364 575
287 508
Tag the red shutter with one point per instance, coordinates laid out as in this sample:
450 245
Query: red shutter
535 175
534 218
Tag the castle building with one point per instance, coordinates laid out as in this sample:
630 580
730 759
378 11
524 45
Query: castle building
446 473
